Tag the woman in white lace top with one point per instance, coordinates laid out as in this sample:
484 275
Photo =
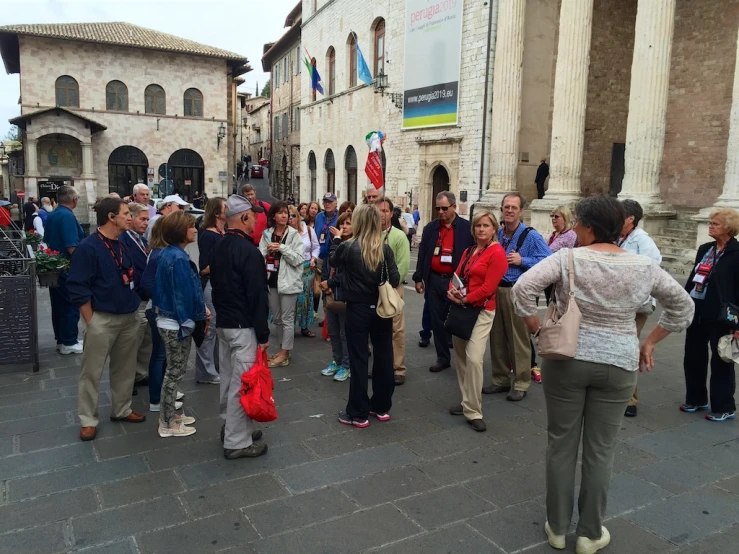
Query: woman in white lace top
589 393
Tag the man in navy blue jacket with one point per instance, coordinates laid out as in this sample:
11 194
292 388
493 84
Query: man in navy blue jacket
137 247
101 284
442 244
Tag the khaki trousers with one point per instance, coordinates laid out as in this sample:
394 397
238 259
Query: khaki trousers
468 358
107 335
144 354
641 320
589 399
510 343
399 338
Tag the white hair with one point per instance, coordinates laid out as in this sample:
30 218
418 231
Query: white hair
372 187
138 187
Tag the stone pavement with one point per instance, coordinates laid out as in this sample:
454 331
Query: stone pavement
422 483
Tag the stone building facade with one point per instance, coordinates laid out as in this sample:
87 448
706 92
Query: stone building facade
105 105
251 125
284 61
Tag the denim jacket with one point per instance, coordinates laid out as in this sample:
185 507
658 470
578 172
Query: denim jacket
178 294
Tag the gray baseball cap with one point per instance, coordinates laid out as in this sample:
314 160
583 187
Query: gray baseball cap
237 204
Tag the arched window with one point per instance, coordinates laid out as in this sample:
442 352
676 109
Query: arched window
330 167
67 92
352 62
116 97
350 164
380 47
193 102
331 71
127 166
312 172
155 101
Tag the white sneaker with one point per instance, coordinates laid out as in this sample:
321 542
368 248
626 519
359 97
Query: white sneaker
177 430
210 381
180 395
588 546
74 349
555 541
157 407
59 346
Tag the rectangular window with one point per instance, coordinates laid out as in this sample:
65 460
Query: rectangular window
297 61
276 76
380 48
285 130
296 119
285 70
276 132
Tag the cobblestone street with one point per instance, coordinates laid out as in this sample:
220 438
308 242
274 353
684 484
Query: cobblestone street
423 482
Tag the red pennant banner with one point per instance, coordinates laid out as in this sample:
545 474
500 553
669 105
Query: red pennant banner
373 169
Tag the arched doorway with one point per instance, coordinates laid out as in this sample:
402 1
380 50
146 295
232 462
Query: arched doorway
312 172
330 167
127 167
350 164
440 183
188 173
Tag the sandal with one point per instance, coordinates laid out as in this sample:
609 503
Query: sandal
307 333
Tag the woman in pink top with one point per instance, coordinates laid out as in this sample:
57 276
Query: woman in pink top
562 237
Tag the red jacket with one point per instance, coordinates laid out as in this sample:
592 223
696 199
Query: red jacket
261 224
5 219
483 273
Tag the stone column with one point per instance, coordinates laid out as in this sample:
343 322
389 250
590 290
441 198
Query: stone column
568 117
32 158
730 195
87 169
645 130
506 116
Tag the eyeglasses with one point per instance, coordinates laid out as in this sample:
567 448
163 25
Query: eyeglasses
555 216
442 208
293 216
715 224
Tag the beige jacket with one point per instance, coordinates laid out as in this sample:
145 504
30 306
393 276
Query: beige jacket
290 274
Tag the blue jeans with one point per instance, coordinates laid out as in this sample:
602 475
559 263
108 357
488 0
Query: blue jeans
425 331
158 360
64 315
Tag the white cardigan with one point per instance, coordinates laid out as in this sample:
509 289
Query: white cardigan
290 275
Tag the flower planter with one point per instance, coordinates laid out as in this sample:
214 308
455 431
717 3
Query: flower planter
48 279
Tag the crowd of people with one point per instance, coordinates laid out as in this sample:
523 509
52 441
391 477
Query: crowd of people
259 264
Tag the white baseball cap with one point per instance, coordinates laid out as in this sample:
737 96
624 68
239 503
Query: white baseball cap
174 199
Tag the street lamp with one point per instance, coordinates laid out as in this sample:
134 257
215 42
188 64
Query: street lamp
381 84
221 134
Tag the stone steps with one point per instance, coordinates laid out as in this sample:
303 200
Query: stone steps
681 225
683 239
678 267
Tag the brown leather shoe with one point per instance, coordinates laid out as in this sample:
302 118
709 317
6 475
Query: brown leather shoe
478 425
133 417
516 395
88 433
399 380
495 389
438 366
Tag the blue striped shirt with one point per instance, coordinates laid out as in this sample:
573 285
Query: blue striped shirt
533 250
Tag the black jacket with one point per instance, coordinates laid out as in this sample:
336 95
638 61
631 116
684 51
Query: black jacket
725 276
542 172
359 284
239 280
462 240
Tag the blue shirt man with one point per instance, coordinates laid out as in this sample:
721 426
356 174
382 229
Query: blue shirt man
324 220
63 233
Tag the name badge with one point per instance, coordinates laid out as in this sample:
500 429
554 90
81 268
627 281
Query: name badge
130 285
322 238
700 279
437 250
446 259
271 267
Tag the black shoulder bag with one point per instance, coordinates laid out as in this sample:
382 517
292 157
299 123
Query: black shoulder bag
461 319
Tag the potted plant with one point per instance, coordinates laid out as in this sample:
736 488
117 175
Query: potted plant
33 239
49 263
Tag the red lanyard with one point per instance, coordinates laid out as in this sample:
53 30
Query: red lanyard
470 262
623 240
118 260
443 232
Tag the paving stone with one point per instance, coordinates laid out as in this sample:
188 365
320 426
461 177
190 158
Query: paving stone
466 465
6 446
512 486
134 443
48 539
29 398
627 493
628 458
722 457
121 547
448 442
124 521
210 534
31 424
50 438
139 488
689 517
299 510
344 468
665 417
456 538
679 475
730 485
184 454
219 470
47 509
72 478
38 462
669 443
709 429
515 527
724 541
405 408
58 406
32 385
233 494
388 486
300 431
527 450
379 526
442 506
302 411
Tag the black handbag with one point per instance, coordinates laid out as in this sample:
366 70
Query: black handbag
461 320
729 315
198 334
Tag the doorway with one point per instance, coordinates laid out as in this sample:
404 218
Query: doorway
127 166
617 168
188 173
440 183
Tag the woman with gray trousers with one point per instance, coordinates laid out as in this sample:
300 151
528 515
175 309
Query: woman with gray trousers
587 395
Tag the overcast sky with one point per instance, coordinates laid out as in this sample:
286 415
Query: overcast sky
241 26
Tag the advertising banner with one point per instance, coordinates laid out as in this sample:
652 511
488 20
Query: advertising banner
433 43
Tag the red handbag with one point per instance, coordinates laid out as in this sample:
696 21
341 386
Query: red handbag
256 391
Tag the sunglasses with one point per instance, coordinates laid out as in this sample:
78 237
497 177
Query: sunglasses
442 208
293 216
